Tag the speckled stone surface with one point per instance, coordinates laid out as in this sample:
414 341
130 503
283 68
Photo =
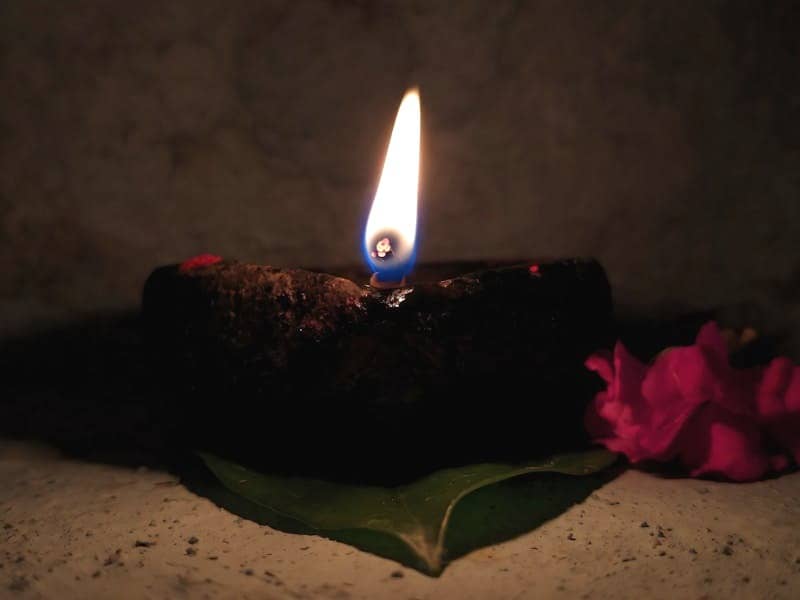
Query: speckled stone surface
661 138
70 530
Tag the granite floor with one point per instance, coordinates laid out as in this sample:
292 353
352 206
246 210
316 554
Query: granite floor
73 529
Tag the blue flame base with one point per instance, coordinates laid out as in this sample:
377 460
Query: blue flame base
389 273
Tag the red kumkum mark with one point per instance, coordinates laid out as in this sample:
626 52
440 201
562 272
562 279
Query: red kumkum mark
201 260
534 270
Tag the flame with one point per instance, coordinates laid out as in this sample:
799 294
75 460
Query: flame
391 231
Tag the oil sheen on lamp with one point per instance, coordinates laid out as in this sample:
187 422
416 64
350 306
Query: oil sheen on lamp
391 230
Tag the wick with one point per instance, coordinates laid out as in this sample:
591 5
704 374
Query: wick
386 285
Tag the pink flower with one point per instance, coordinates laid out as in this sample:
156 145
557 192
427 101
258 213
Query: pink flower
691 405
778 404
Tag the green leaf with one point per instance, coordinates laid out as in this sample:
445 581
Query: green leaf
429 522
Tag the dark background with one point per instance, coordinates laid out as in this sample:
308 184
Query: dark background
660 137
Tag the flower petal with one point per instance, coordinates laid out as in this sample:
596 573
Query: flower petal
731 388
613 417
778 404
710 339
771 397
674 387
717 442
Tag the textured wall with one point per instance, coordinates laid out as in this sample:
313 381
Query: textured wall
662 137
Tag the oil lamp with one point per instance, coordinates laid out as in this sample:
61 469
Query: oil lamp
357 369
